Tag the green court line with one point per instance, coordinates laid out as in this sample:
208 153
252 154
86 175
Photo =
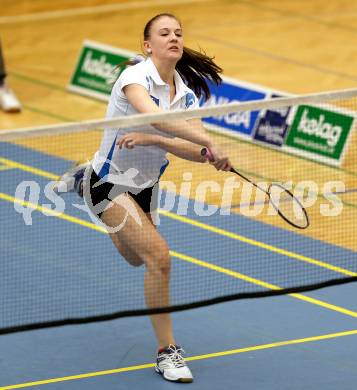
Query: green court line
62 89
33 80
49 85
231 352
48 114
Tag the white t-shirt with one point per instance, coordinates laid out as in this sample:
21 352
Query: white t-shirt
145 163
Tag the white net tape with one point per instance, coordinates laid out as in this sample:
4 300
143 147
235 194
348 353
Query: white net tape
143 119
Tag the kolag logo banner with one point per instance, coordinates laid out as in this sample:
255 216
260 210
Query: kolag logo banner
320 132
97 69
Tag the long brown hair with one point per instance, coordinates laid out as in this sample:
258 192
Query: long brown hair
194 66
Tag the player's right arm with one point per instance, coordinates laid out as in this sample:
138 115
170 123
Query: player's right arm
177 146
139 98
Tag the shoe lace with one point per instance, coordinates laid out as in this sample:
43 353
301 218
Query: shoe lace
175 355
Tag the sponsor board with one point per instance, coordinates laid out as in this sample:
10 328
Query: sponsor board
97 69
317 133
272 125
241 123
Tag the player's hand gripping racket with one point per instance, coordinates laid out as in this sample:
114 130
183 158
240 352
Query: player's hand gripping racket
287 206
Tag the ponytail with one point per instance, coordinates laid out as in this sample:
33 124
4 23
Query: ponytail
195 67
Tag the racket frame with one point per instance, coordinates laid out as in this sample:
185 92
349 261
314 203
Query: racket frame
206 152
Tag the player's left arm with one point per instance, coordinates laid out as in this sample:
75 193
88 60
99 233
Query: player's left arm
182 148
177 146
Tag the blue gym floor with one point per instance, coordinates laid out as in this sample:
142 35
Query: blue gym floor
306 341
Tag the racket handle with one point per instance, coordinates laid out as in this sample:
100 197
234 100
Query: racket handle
207 153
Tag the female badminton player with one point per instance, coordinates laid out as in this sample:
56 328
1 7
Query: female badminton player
132 160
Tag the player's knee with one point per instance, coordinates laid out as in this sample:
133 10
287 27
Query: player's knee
164 264
135 262
159 261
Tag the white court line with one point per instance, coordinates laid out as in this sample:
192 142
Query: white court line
101 9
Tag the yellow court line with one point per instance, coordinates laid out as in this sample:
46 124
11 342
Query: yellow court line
258 244
53 213
204 226
182 256
27 168
261 283
192 358
5 168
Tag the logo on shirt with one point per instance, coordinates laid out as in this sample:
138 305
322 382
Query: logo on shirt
190 99
155 100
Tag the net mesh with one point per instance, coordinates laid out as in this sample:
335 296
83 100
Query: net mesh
288 206
58 264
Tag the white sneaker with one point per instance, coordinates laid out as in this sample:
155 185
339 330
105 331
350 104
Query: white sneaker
8 100
72 180
172 366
